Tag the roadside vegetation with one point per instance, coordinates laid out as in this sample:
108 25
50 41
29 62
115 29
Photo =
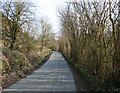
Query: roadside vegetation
16 65
25 41
90 40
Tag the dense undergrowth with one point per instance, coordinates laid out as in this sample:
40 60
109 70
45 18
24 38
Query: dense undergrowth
16 65
90 35
93 82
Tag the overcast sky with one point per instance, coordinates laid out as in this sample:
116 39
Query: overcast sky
48 9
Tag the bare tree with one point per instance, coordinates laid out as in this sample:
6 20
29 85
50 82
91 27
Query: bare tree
16 14
45 33
92 32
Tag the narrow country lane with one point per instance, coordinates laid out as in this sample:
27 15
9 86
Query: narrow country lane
54 75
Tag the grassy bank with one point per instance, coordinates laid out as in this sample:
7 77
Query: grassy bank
16 65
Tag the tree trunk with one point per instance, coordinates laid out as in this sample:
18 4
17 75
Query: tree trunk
11 45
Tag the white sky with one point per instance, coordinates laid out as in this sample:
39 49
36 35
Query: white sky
48 9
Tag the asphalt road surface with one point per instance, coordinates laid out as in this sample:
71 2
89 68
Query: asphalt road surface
54 75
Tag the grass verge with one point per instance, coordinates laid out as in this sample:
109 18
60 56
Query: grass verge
17 65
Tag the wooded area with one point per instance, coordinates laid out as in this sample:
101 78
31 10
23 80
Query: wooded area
19 29
91 37
25 40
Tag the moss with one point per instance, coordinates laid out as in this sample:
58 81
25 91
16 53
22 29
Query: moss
19 57
39 61
45 52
